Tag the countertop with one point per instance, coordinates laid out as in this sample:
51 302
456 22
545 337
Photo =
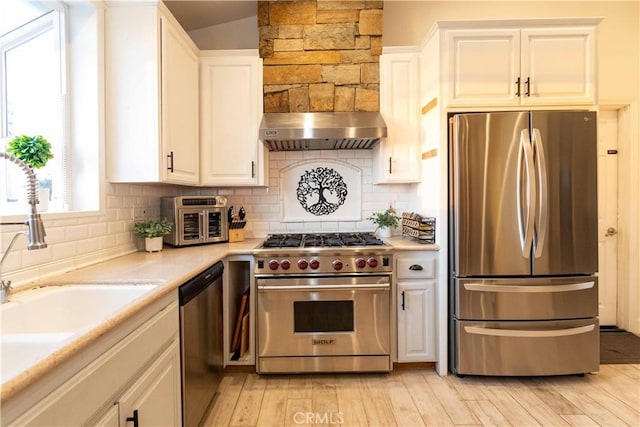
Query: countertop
168 269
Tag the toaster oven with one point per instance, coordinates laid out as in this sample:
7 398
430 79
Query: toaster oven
196 219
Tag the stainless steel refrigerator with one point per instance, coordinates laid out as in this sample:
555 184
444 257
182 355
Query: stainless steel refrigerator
523 242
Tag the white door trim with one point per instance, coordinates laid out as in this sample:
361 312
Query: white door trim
629 214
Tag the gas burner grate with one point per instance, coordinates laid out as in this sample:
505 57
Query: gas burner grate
321 240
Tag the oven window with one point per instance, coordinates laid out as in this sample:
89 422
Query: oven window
323 316
191 223
215 224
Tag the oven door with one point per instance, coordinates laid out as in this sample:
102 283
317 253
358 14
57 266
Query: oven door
323 316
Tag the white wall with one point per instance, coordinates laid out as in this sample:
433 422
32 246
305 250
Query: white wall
240 34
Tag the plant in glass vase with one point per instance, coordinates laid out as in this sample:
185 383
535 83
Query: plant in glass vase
152 230
385 221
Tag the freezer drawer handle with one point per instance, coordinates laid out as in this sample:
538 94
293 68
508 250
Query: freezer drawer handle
528 334
529 289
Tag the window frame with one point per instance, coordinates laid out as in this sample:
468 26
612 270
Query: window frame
80 26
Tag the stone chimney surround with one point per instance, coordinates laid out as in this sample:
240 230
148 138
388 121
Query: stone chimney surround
320 55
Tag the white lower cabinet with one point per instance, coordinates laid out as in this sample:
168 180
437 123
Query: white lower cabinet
416 299
139 377
151 400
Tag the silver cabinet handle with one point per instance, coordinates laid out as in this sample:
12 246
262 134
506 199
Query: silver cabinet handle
529 289
479 330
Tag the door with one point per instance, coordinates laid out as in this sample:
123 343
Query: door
484 66
559 65
153 399
231 99
324 316
608 215
180 100
564 147
487 164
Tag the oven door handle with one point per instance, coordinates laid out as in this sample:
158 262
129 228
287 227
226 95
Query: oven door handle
311 288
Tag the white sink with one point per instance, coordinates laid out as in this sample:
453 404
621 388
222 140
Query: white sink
38 322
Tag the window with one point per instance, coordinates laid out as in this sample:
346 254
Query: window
68 85
32 95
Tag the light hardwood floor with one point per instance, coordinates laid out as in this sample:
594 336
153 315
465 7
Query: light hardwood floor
420 397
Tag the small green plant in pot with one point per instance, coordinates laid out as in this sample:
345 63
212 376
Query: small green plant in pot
153 231
385 221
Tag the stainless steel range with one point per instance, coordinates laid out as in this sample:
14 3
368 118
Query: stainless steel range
324 303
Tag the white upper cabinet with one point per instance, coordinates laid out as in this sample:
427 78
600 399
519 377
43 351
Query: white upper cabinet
560 65
397 157
545 64
231 109
151 96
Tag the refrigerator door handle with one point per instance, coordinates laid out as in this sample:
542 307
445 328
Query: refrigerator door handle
526 224
542 218
479 330
529 289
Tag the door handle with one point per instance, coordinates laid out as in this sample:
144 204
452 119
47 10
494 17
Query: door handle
540 163
402 304
611 232
134 418
526 171
518 87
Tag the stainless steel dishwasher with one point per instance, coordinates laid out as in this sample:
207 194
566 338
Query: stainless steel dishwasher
201 343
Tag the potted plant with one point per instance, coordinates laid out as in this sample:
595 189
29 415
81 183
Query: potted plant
152 230
385 221
35 151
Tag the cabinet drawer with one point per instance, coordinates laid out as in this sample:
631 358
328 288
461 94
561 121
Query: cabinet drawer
527 348
416 268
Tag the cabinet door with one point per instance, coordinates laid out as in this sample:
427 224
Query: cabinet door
560 64
179 84
481 67
108 419
416 321
154 399
397 158
231 90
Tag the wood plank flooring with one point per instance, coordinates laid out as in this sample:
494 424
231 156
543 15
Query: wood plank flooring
419 397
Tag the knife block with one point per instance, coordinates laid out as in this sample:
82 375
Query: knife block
236 235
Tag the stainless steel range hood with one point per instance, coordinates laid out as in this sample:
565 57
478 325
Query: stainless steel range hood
322 131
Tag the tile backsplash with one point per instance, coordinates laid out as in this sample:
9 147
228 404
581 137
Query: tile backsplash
75 241
263 205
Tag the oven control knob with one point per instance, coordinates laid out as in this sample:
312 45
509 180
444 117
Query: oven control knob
273 264
337 264
360 263
303 264
372 262
285 264
314 264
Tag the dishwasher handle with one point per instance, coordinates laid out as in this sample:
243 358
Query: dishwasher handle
199 283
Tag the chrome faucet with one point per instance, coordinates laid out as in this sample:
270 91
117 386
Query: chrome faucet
35 228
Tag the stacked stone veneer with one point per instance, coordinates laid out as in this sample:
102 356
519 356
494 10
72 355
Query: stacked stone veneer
320 55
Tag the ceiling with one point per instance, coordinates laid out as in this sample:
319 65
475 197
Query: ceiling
193 15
